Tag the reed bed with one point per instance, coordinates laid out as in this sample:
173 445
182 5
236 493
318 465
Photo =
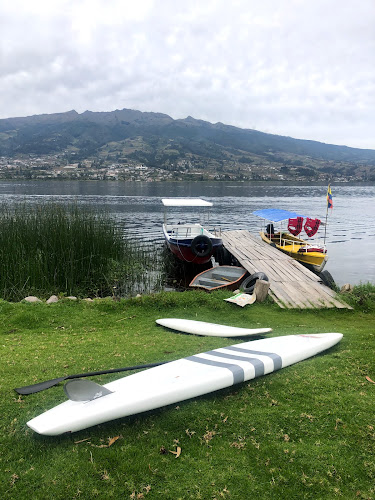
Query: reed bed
67 249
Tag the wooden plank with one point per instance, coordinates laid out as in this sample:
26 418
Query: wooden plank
285 296
280 291
331 297
282 271
304 296
247 243
306 272
249 266
286 271
247 246
273 296
268 270
294 297
313 295
322 295
292 270
301 300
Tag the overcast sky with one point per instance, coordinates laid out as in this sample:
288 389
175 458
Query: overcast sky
301 68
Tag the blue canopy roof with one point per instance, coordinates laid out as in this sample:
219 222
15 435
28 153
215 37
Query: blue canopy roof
276 215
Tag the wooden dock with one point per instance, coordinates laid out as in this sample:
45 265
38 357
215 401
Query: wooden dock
292 285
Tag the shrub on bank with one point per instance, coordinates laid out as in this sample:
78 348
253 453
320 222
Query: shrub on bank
51 248
362 297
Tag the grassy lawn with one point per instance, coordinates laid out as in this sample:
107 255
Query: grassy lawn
307 431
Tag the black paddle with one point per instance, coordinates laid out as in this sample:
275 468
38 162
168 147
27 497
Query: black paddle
41 386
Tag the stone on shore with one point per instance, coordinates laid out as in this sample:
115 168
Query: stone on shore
52 299
31 298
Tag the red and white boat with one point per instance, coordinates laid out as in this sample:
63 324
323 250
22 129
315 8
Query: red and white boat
190 242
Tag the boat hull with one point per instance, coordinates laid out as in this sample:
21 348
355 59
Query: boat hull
299 249
182 250
197 248
219 277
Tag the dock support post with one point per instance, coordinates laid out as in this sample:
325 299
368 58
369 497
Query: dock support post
261 290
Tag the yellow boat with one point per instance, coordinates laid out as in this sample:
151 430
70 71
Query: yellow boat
312 255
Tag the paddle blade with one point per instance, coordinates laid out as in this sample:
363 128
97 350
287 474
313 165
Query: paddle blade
84 390
41 386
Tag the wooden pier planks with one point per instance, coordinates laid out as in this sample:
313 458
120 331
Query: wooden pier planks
292 285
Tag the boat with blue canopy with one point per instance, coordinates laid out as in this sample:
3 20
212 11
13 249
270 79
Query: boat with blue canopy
313 254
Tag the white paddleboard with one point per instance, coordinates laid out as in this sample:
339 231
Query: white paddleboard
209 329
183 379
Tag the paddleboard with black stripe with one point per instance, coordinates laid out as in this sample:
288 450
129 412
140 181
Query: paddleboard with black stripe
177 381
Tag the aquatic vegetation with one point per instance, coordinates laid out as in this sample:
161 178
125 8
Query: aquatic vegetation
68 249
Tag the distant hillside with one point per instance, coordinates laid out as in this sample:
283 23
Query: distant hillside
157 140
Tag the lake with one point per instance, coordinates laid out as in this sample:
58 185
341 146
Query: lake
137 205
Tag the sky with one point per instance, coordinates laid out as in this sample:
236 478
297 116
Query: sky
298 68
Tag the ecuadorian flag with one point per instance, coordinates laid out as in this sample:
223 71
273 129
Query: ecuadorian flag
329 197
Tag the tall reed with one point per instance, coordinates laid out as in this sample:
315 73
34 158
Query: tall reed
52 248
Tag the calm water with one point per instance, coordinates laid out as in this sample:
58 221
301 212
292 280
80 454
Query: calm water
137 205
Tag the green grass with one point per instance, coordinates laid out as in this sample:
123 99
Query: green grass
67 249
307 431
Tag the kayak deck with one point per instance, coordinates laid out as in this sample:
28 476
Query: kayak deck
182 379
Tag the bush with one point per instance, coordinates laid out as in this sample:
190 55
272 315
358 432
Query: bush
362 297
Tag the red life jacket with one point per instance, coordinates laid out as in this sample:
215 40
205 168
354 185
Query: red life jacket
311 226
295 225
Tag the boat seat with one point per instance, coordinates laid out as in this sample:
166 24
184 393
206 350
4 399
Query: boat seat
312 249
225 276
210 282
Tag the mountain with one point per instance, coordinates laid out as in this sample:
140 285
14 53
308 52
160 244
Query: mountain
158 141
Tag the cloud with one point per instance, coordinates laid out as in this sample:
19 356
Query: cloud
303 69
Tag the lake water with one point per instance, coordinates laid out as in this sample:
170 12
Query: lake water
137 205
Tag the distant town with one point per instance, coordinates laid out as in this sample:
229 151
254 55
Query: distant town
65 166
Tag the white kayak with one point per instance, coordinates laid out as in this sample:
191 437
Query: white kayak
180 380
209 329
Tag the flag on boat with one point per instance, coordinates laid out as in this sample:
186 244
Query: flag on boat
329 197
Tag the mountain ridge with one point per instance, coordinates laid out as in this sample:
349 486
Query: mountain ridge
157 140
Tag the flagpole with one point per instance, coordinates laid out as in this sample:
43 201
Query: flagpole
325 227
